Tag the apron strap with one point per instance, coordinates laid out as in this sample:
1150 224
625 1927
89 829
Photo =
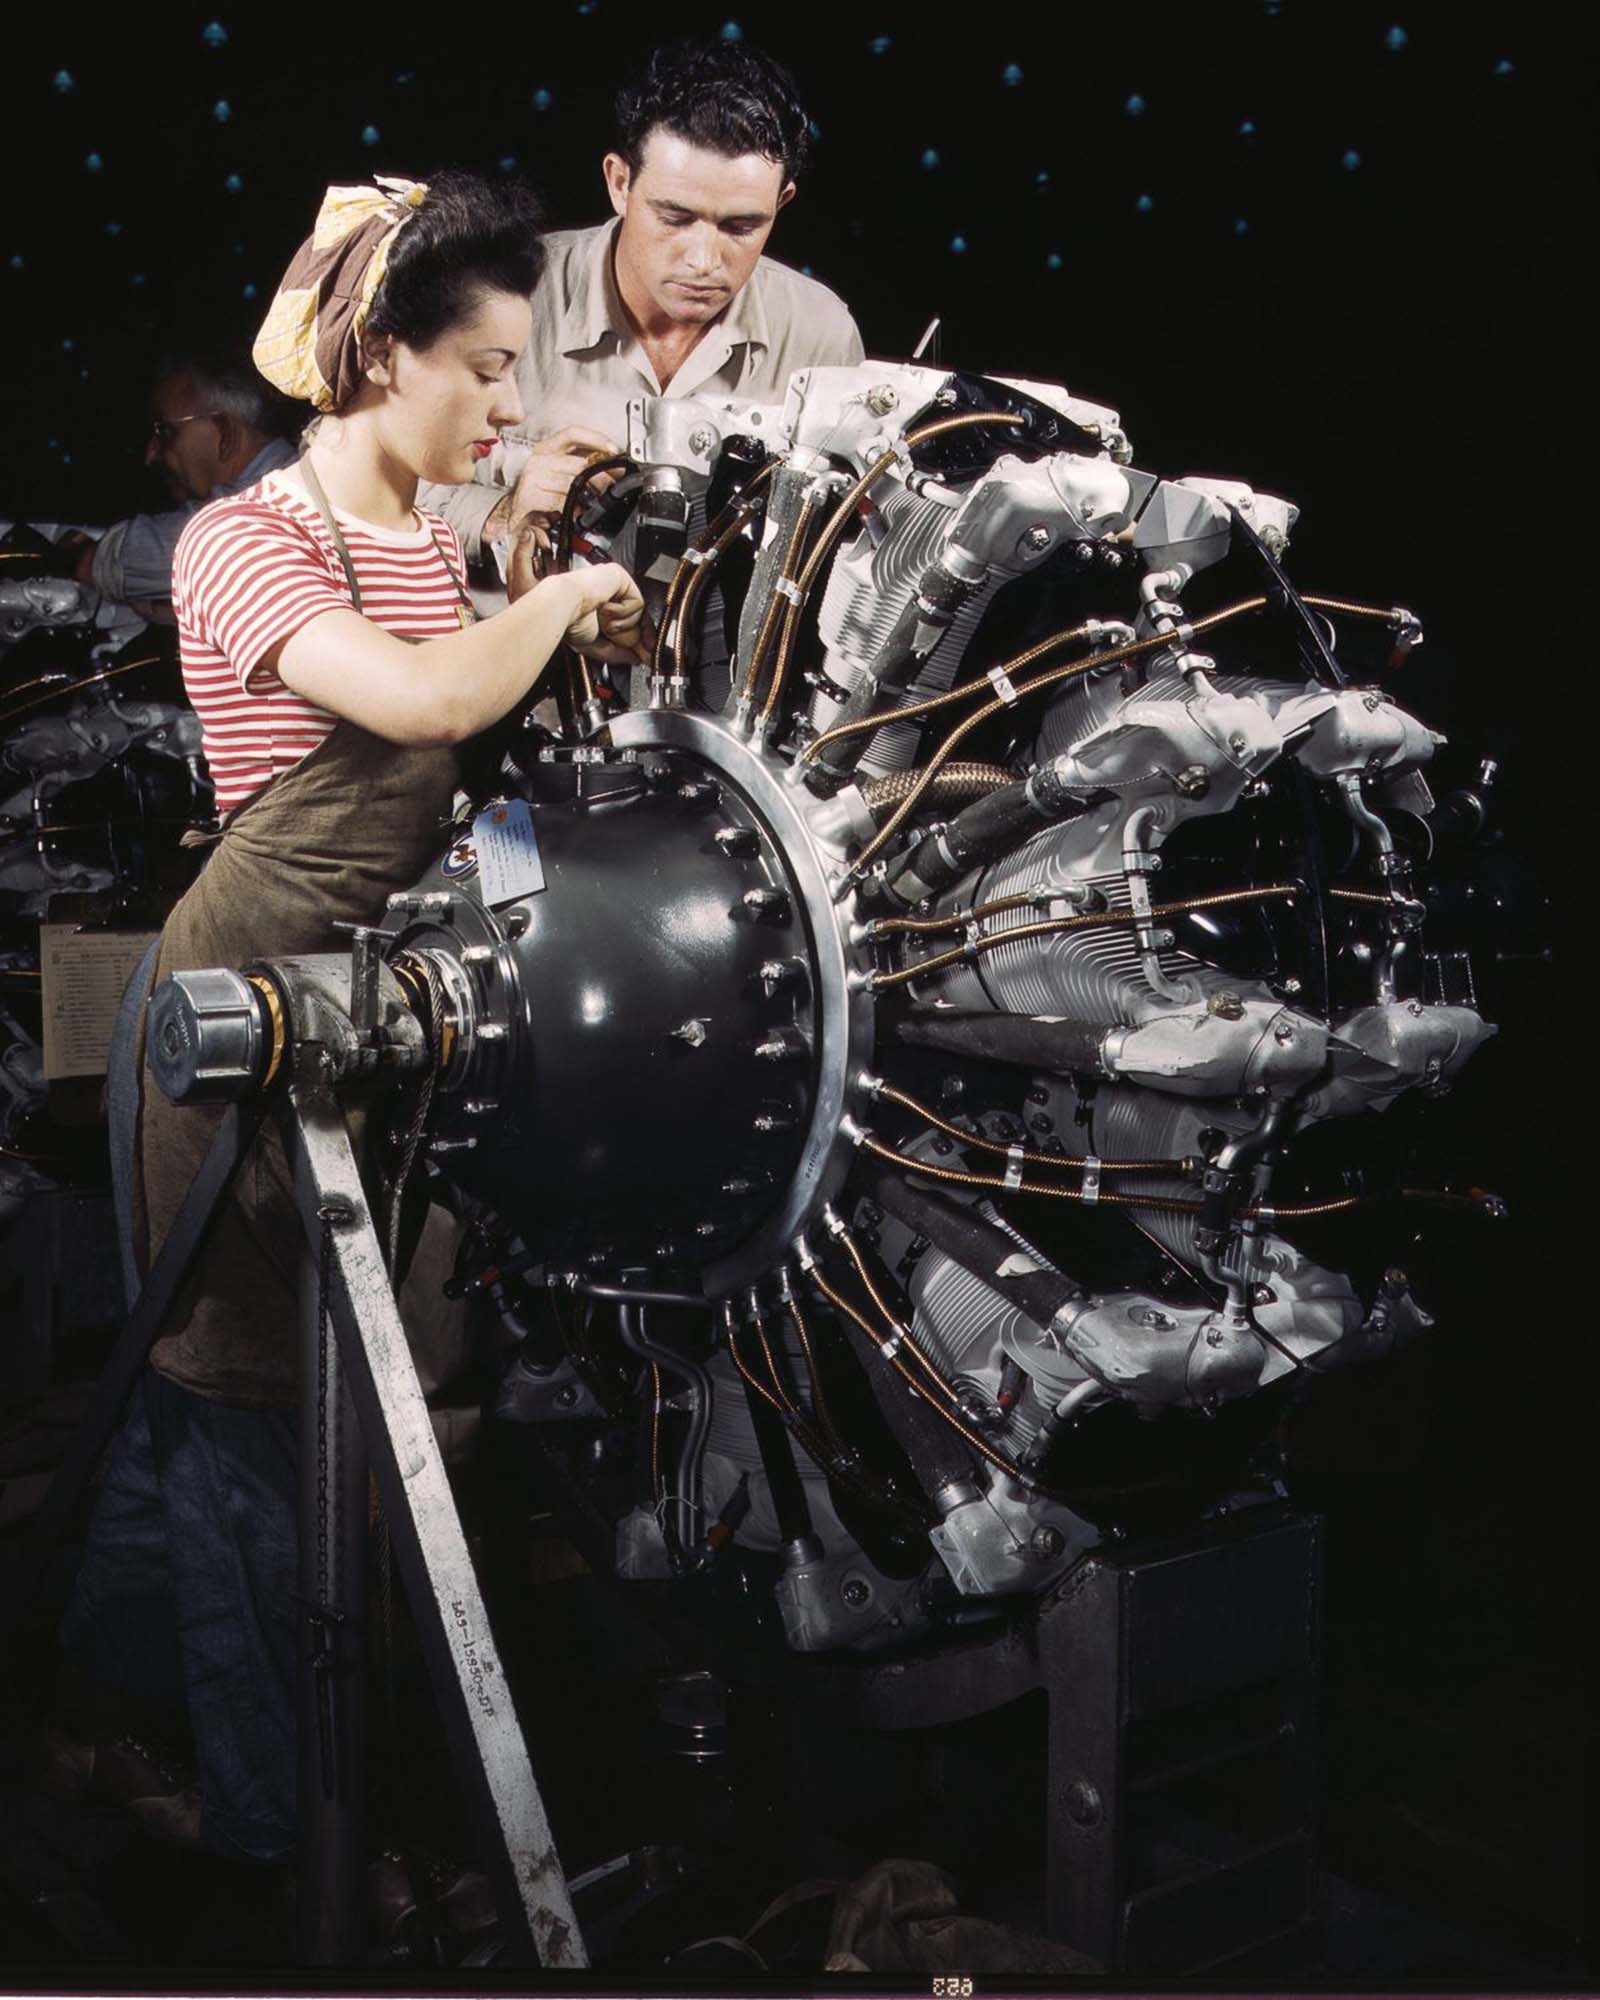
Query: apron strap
315 489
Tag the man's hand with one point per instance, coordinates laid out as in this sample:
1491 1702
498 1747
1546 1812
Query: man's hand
545 480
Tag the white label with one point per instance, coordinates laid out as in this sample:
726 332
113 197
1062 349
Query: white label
82 974
508 852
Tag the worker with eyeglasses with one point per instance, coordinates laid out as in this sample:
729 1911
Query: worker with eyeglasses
217 428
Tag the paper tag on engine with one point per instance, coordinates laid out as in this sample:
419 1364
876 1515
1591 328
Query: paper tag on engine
508 852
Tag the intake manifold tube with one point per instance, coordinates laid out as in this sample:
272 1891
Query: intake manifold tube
984 832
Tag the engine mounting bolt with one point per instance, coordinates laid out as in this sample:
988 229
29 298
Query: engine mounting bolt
856 1592
1226 1006
1193 781
1291 985
1039 1094
692 1031
782 1045
1414 1007
1284 1033
491 1031
1263 1295
566 1396
1046 1543
737 839
705 1229
1214 1337
1084 1807
772 1121
1083 552
767 905
698 791
882 398
1037 537
1041 1122
943 1145
737 1187
702 440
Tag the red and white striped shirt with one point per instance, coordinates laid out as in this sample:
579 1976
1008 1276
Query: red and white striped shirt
249 573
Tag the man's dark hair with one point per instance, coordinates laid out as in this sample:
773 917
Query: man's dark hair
226 381
470 236
723 96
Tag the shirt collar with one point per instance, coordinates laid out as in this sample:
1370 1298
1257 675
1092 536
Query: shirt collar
597 311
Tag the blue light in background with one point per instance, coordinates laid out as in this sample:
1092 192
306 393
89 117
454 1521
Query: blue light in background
880 45
958 246
370 135
1351 161
542 100
1145 203
732 32
930 159
1396 39
1011 75
1054 261
64 81
234 184
1135 106
94 163
1247 128
222 111
214 35
1505 68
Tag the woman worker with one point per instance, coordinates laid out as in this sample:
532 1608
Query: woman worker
331 651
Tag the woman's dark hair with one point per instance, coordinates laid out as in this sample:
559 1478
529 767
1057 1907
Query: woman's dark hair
470 236
721 95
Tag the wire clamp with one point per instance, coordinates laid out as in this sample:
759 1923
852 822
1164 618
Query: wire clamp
1092 1166
1014 1158
1003 686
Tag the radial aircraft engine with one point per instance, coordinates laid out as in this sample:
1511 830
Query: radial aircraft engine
919 1050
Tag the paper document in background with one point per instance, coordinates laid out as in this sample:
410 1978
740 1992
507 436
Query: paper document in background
82 977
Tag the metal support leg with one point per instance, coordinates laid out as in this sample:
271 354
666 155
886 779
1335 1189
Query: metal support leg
430 1549
1182 1785
206 1195
332 1665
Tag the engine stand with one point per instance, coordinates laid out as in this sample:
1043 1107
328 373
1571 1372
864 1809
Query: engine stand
362 1402
1181 1763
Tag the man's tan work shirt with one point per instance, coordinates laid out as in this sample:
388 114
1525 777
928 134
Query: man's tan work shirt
584 363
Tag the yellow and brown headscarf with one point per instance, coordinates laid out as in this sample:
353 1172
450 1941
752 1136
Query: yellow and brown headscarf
309 345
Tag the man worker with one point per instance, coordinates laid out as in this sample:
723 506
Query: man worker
218 426
673 297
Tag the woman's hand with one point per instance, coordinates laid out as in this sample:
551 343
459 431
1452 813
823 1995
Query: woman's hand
608 621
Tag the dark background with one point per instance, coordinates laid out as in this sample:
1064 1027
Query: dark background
1324 248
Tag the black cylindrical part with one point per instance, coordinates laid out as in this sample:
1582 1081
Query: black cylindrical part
970 1240
937 1454
777 1462
1010 1038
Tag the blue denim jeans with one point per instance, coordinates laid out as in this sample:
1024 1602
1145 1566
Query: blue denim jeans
185 1595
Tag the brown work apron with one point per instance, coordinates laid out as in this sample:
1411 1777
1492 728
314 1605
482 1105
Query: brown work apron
324 843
